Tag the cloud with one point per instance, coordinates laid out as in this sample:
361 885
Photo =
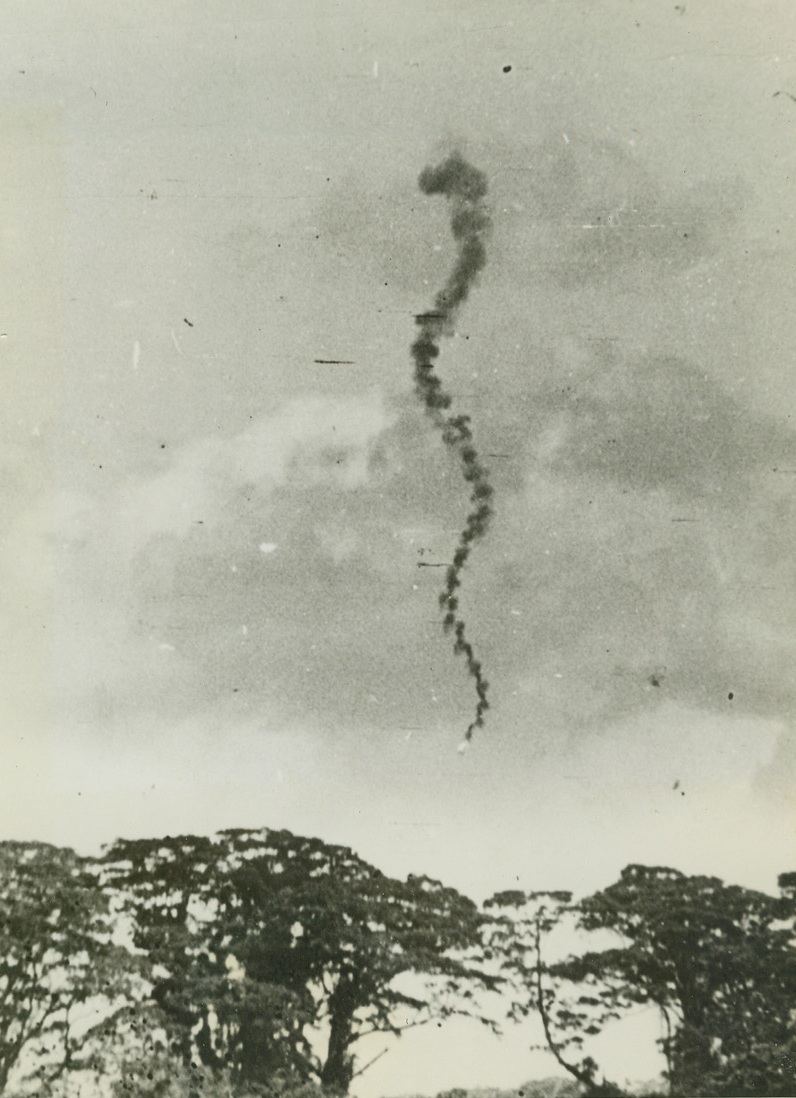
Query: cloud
307 442
587 209
660 422
597 450
592 586
602 602
98 586
594 410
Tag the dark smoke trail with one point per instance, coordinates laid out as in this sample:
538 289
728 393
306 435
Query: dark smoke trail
465 188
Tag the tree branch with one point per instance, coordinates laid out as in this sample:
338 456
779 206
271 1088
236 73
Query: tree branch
583 1076
370 1063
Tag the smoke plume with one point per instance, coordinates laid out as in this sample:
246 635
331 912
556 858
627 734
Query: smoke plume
465 188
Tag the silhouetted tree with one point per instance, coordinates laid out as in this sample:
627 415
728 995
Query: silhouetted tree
261 939
176 891
62 978
718 961
521 921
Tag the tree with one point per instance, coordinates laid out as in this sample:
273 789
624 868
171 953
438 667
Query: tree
176 893
265 940
718 961
521 923
62 978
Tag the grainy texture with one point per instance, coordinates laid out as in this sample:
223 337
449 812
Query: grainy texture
217 482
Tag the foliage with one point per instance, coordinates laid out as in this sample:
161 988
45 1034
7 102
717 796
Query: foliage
520 924
259 960
720 964
160 1075
61 976
176 891
717 961
261 940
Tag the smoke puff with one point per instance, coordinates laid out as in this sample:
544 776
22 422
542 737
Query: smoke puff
454 176
465 187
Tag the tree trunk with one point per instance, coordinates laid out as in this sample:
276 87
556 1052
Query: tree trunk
693 1061
338 1070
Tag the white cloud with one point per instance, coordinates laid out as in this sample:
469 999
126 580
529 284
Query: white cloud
308 441
69 577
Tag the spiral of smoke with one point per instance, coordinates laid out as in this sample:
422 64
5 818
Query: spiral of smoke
465 188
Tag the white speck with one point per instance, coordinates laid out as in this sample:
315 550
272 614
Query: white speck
244 629
414 586
566 139
376 70
462 747
167 648
267 547
558 675
136 354
176 344
36 432
517 613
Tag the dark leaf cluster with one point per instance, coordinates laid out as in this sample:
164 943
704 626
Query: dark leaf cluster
717 961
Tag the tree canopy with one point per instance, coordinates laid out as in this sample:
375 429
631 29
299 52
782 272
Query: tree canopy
264 941
718 961
62 977
257 961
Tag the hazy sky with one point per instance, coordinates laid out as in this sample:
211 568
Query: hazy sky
212 609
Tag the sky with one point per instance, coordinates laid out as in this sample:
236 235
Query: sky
213 607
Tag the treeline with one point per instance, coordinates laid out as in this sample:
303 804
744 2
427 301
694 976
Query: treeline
256 962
